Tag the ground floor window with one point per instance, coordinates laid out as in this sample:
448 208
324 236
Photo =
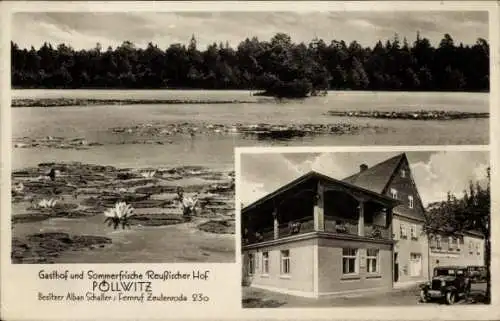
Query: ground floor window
251 264
285 262
265 262
349 261
415 264
372 260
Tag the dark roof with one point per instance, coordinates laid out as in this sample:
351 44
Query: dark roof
377 177
312 175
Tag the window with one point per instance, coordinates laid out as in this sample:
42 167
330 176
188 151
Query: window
403 173
394 193
415 264
438 242
349 261
285 262
402 231
410 201
251 264
432 241
444 272
450 243
413 232
372 260
477 249
471 246
265 262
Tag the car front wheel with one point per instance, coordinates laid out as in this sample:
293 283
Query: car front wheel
450 298
423 297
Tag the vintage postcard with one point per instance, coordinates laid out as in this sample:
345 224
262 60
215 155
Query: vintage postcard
217 158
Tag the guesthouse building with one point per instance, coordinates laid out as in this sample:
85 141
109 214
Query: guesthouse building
320 236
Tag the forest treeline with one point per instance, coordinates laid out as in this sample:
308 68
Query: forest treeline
278 66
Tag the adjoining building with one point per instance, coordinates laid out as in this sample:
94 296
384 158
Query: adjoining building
465 249
321 236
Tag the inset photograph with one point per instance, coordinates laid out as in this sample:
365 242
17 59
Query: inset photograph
365 228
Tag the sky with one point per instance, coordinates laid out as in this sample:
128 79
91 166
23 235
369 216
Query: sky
434 173
82 30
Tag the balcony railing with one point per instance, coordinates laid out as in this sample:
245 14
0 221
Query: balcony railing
300 226
339 225
333 224
377 232
304 225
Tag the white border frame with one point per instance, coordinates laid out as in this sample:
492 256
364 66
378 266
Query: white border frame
231 273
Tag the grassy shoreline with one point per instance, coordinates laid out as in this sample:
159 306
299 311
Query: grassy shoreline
410 115
67 102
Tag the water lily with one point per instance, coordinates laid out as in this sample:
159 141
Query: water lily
119 215
188 204
46 203
18 188
148 174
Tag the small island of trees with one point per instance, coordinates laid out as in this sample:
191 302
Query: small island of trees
279 67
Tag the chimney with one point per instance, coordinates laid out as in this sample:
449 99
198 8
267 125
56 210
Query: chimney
363 167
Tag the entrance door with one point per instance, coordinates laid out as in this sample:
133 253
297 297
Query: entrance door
396 267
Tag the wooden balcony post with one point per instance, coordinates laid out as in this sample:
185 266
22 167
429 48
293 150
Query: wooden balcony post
361 218
319 214
276 225
390 226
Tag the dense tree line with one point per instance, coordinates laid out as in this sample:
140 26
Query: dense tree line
278 66
470 212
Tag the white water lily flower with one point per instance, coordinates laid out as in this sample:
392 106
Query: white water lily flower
18 188
120 211
44 203
188 205
148 174
119 215
190 202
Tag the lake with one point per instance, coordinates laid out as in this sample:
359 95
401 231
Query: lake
94 123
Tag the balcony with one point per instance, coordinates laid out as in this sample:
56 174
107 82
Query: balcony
334 225
301 226
339 225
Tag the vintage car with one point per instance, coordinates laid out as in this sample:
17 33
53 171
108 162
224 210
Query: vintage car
449 283
477 273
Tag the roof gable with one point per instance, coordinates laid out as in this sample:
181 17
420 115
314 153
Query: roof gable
377 177
313 175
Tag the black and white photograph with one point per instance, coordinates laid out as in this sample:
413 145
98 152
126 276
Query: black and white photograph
124 124
333 229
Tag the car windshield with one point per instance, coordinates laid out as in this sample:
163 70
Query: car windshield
444 272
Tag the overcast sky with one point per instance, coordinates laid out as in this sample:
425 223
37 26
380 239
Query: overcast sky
435 173
84 30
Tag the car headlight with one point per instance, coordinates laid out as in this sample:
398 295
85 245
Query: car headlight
443 283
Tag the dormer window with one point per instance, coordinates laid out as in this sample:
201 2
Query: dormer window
403 173
394 193
410 201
